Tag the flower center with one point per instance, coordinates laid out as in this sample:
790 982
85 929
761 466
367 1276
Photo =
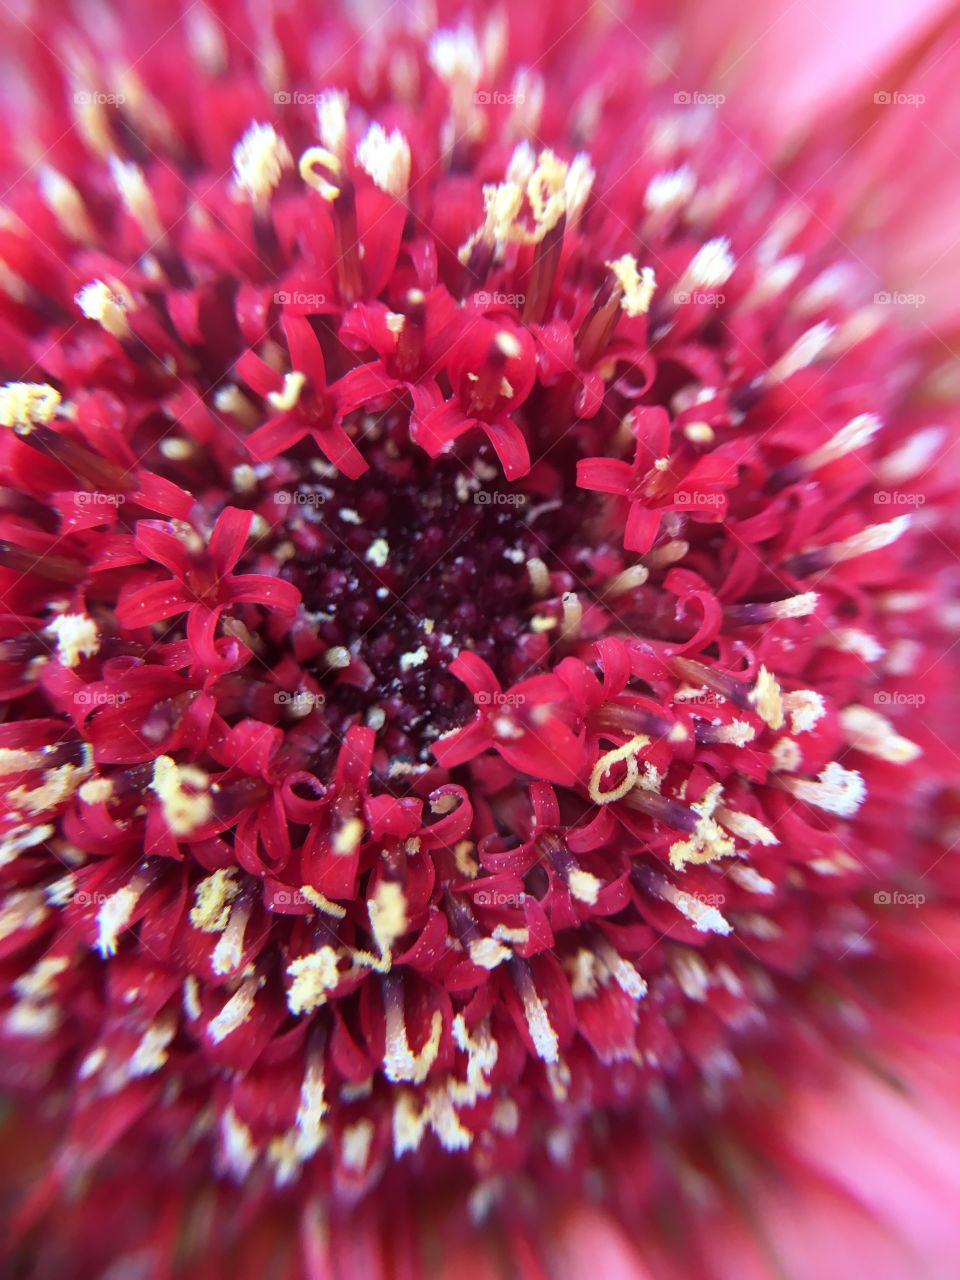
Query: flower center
405 567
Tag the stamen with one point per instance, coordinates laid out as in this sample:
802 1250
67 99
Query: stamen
837 790
807 349
387 910
285 400
135 194
314 975
386 158
332 110
637 287
236 1011
318 157
767 699
114 914
228 952
704 917
108 305
212 900
873 733
76 637
23 404
747 827
259 159
538 1023
399 1061
184 810
627 754
67 205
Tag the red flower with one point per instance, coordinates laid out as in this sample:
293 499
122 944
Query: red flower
656 482
478 598
204 582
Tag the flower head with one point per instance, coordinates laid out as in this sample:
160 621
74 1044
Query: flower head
470 709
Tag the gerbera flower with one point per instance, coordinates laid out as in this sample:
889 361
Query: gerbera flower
478 600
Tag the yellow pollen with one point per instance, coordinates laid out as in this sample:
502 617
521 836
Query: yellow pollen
767 699
315 158
184 810
259 159
388 914
76 636
873 733
285 400
23 404
386 158
332 110
212 899
314 975
348 837
627 753
108 304
638 287
317 899
399 1060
